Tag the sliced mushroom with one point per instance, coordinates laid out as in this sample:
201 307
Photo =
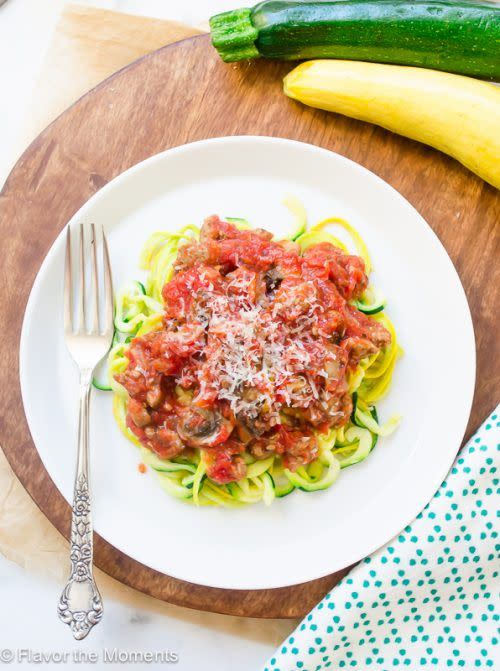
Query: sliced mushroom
199 427
251 422
273 278
253 417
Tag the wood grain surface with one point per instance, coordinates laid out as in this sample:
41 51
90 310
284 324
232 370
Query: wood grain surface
182 93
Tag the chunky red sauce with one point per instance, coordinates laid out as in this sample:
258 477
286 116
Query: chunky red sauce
256 343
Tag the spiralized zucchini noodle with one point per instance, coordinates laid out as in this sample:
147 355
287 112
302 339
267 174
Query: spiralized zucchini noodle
139 310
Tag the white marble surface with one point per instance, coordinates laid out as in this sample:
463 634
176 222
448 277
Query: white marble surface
29 625
28 620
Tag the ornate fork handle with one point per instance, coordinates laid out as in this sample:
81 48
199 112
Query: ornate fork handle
80 605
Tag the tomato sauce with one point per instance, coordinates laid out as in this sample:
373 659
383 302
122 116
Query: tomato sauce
254 352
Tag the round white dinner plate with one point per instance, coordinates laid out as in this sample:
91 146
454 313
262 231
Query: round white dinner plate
303 536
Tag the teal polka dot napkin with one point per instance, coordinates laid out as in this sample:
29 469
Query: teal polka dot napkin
429 597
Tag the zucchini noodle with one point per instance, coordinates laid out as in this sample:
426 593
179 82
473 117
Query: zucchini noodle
139 310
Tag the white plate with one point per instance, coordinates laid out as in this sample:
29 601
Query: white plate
303 536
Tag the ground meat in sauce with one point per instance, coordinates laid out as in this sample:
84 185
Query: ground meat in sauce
256 344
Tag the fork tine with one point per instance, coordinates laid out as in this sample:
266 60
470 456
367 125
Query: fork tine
108 287
94 281
81 297
68 286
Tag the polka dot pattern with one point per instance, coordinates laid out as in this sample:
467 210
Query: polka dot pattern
428 598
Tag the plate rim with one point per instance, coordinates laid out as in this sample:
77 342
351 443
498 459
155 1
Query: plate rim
468 326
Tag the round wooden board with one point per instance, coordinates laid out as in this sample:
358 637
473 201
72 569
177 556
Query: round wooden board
178 94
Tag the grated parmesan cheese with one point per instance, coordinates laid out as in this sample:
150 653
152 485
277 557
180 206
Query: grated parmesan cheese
256 363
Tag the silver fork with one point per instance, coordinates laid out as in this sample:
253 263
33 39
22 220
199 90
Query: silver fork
80 605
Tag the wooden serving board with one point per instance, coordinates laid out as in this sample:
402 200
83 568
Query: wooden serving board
182 93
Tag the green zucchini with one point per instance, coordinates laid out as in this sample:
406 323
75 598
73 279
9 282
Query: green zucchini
259 467
354 409
99 384
370 307
282 490
175 488
300 215
308 484
460 36
238 221
132 306
268 494
100 379
282 485
363 443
